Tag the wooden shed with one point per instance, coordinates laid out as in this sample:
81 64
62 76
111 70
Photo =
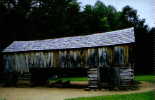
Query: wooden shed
97 52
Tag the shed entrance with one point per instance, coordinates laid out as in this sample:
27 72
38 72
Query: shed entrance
110 77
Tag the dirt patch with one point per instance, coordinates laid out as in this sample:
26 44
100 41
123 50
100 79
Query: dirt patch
42 93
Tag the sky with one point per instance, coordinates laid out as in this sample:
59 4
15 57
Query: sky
145 8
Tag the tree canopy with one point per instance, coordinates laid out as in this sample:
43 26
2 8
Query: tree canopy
39 19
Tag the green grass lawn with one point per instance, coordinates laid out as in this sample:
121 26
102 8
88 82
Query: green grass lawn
146 78
138 96
75 79
70 79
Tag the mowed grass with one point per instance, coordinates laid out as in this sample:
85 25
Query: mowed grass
138 96
75 79
146 78
71 79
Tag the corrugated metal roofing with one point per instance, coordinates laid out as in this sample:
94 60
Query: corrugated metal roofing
99 39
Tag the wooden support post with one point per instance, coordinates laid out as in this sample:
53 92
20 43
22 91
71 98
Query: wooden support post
126 77
92 78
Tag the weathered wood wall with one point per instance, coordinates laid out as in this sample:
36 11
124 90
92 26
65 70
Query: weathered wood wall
86 57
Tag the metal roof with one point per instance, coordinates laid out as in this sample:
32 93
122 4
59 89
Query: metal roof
99 39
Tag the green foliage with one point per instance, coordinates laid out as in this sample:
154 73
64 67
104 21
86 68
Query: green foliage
39 19
137 96
104 23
